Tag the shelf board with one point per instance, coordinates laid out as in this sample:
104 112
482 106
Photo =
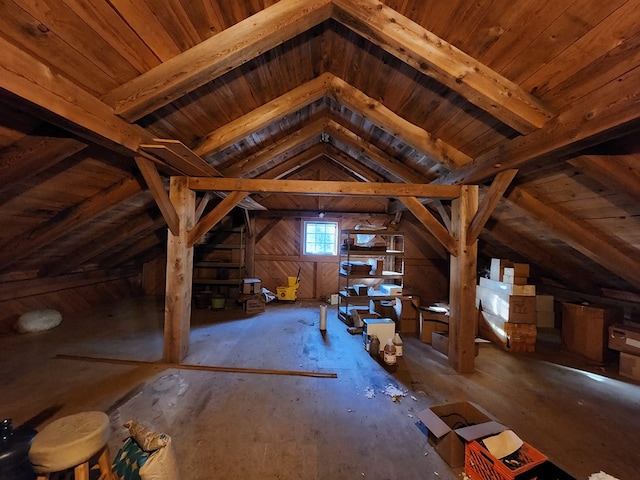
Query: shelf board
377 295
389 275
207 264
213 281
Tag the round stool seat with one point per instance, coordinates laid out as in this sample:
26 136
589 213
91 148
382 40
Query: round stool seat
69 441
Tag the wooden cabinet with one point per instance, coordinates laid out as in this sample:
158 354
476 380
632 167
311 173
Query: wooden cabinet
219 263
371 266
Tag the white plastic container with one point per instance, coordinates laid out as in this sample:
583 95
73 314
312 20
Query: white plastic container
323 317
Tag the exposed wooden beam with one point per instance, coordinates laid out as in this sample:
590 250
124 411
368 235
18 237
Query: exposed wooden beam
215 56
65 104
604 114
388 121
587 241
134 250
354 167
618 173
499 185
462 284
33 154
431 223
310 187
445 214
436 58
84 254
388 163
265 115
241 168
66 221
160 195
293 164
214 216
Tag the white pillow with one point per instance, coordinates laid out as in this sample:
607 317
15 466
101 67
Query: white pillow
38 320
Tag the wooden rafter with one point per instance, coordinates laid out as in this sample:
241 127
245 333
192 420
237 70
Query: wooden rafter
609 171
388 121
592 244
67 221
244 167
265 115
209 59
602 115
354 167
310 187
293 164
436 58
177 154
385 161
499 185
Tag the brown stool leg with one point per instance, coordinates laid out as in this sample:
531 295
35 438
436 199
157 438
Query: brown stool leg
104 461
81 472
43 476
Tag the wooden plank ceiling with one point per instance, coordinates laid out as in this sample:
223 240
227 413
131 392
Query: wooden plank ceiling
403 91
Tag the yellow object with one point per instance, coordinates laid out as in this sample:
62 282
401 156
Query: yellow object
287 293
293 281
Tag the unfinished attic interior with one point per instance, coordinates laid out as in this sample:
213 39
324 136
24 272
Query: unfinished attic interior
161 159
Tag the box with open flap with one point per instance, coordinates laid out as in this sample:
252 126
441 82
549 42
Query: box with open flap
451 425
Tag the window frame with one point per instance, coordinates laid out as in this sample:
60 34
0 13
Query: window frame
306 222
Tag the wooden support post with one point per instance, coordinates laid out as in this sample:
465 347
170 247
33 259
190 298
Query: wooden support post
177 316
250 250
462 288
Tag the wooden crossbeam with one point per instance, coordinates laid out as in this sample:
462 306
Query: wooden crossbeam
160 195
214 216
310 187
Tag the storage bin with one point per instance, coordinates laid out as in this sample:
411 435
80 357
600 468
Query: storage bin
479 464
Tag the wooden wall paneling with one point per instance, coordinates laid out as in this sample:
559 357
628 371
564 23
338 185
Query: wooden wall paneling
591 61
619 173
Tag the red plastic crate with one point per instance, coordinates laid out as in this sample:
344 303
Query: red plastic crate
479 464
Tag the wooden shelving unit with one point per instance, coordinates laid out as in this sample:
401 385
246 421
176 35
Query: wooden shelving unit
219 266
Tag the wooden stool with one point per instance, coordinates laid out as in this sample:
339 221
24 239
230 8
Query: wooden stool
71 442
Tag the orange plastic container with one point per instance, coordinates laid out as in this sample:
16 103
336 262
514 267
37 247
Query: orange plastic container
479 464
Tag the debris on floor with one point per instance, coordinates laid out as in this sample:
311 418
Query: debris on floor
370 392
394 392
601 476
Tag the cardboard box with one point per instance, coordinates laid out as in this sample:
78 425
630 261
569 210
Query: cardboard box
391 289
511 308
544 303
546 319
497 268
515 280
254 304
451 425
624 338
385 308
629 366
432 322
513 337
407 312
517 270
251 286
440 342
585 330
508 287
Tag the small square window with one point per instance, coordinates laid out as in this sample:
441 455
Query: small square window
320 238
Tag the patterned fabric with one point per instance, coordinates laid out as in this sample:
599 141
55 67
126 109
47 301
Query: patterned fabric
146 438
130 458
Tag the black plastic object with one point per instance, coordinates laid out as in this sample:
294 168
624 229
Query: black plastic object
14 452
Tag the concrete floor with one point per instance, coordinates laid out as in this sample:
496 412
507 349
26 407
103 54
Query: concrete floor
255 426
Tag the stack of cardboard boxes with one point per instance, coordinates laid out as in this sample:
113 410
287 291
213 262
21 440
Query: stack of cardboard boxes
507 306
